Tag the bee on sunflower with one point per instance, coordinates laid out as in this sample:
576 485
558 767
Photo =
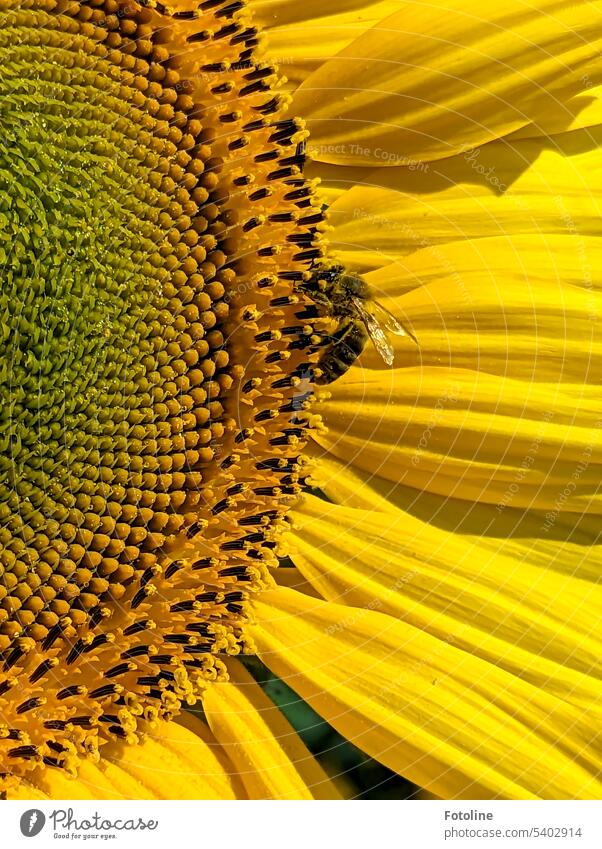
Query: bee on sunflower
185 305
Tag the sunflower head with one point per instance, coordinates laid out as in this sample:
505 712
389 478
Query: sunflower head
158 239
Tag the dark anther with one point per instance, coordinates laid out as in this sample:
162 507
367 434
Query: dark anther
315 218
268 156
23 752
226 31
197 37
182 607
252 88
120 669
222 88
136 628
30 704
105 690
253 538
95 616
136 651
108 717
99 640
139 598
229 10
269 107
282 217
82 721
297 160
214 68
206 597
52 636
179 639
248 36
297 194
193 530
236 595
147 575
233 545
118 731
260 73
282 383
280 174
253 126
295 276
172 569
220 507
199 628
260 194
264 490
68 692
233 572
251 224
75 652
303 256
14 656
203 649
301 239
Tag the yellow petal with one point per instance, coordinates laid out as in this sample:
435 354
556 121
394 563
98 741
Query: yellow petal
585 110
536 187
437 78
302 36
173 762
470 435
269 756
540 625
451 722
523 306
569 545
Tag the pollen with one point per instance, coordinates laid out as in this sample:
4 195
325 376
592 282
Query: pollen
158 358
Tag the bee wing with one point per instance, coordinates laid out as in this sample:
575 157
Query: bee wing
391 323
375 331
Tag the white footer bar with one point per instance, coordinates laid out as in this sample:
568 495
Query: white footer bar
299 825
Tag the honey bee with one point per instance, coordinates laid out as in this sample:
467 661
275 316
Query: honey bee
346 296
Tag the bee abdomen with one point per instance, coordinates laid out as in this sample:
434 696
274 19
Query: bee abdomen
347 344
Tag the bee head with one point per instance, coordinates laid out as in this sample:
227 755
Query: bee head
329 275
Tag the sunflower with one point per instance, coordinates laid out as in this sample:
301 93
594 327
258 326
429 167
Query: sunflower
414 549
